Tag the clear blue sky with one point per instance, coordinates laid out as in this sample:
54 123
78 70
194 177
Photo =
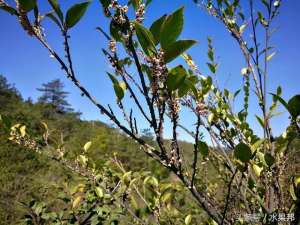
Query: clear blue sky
26 64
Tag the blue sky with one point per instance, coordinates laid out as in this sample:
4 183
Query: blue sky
26 64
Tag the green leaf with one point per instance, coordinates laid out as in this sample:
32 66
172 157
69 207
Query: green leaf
269 57
114 31
55 6
105 3
87 146
212 67
257 169
76 202
176 77
156 29
51 16
135 4
203 148
292 192
75 13
294 106
260 121
119 87
23 131
145 38
243 152
171 28
6 122
151 181
99 192
27 5
9 9
188 219
269 159
281 100
175 49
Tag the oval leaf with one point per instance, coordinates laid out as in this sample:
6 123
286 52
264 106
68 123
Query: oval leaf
176 77
9 9
171 28
27 5
294 106
76 202
188 219
257 169
23 131
243 152
203 148
99 192
177 48
145 38
75 13
55 6
87 146
269 159
155 28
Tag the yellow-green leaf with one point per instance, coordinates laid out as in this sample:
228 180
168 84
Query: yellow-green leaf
292 192
87 146
99 192
23 130
76 202
257 170
269 57
188 219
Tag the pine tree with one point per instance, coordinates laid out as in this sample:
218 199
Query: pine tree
54 94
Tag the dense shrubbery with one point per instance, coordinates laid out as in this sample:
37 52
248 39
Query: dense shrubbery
254 176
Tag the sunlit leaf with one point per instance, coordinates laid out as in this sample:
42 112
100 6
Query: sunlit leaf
257 169
99 192
23 130
87 146
76 202
269 57
292 192
188 219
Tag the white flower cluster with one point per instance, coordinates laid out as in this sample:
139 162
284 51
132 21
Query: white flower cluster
119 16
139 15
